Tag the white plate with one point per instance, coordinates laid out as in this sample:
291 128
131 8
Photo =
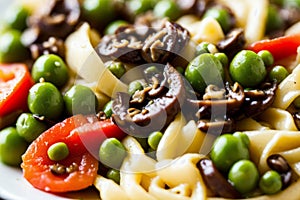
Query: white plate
14 187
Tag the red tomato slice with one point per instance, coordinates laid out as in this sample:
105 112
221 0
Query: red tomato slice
280 47
15 82
92 135
36 163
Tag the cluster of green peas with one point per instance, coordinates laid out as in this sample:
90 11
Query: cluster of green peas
112 153
103 11
230 154
46 103
248 68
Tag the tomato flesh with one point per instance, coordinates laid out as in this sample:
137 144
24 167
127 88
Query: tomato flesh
280 47
36 163
15 82
92 135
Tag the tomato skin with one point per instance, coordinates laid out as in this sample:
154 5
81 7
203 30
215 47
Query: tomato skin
280 47
15 82
92 135
36 163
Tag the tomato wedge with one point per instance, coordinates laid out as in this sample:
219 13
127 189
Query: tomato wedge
83 136
15 82
280 47
92 135
36 163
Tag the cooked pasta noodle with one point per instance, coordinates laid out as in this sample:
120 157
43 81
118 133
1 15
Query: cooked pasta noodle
288 90
84 61
251 15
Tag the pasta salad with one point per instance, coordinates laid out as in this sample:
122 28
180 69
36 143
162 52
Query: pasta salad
148 99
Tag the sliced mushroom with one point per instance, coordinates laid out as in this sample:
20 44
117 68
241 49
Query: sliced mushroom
278 163
233 42
140 43
257 101
57 19
125 46
231 102
51 46
217 126
296 117
154 113
215 180
217 111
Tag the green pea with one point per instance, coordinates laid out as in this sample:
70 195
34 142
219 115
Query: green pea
243 137
222 58
202 48
226 150
12 146
167 8
11 48
58 151
112 153
117 68
134 86
274 20
278 73
221 15
203 70
29 127
46 100
114 175
205 47
247 68
80 99
51 68
137 7
151 71
244 176
267 57
296 102
113 26
154 139
270 182
98 12
16 17
108 109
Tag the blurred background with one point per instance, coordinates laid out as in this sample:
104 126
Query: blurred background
3 5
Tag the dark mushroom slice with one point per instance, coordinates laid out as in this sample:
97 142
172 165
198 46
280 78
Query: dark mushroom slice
215 180
165 44
216 111
233 42
58 19
278 163
125 45
154 113
217 126
139 43
296 117
51 46
231 103
257 101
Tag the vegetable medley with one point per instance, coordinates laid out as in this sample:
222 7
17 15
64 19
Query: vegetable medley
93 90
